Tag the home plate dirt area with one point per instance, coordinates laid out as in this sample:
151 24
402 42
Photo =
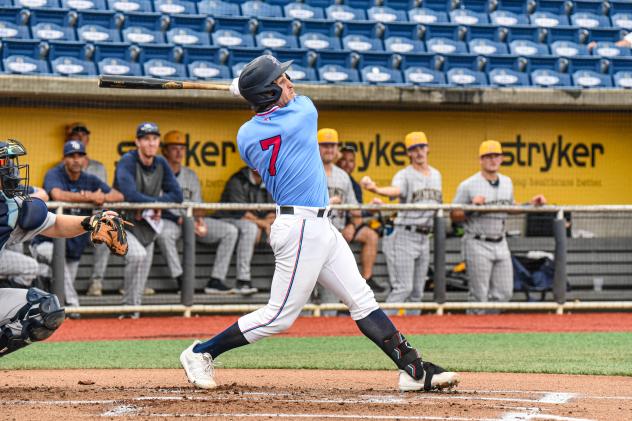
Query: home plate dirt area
307 394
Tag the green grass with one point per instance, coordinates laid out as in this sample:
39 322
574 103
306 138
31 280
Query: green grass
569 353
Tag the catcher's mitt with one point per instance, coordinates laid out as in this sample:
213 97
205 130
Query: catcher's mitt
109 228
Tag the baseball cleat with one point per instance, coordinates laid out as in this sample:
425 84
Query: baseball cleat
435 378
198 367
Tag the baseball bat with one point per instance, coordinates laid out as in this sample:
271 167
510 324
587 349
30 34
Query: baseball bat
139 82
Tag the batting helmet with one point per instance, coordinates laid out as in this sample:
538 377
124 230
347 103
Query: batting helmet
13 184
256 81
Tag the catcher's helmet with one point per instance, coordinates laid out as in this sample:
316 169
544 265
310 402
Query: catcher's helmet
256 81
13 183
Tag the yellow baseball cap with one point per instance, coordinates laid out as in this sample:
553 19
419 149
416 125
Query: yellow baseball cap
489 147
327 136
413 139
174 137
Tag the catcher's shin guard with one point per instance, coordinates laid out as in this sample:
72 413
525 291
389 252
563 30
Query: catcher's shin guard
35 321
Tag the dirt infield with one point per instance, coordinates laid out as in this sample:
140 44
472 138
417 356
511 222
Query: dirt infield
296 394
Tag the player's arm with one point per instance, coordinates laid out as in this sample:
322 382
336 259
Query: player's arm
66 196
39 193
65 226
386 191
114 196
462 197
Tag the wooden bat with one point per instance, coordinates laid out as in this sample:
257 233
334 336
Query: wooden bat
139 82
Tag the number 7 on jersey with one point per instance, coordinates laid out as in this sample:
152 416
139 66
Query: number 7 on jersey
275 142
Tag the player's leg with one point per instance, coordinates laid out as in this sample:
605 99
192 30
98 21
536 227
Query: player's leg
403 267
101 257
501 283
248 232
167 241
15 264
340 274
422 251
70 293
132 274
368 254
478 262
226 236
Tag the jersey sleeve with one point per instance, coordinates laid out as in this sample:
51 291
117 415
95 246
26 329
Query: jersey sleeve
462 195
19 235
350 193
242 145
196 187
399 181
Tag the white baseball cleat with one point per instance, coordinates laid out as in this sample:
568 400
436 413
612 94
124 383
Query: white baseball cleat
198 367
438 379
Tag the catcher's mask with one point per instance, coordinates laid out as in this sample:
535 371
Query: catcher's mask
256 81
13 175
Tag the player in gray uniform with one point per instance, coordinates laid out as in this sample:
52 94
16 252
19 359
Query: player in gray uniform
29 315
485 249
407 248
207 230
79 131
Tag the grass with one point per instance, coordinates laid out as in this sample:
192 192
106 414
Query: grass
565 353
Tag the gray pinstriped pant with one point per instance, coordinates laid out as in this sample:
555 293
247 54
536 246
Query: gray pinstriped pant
18 265
43 252
137 265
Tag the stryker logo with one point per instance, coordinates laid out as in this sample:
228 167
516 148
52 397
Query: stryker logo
557 154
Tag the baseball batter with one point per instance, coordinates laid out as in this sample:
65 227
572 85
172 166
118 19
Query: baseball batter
485 248
407 248
31 315
280 143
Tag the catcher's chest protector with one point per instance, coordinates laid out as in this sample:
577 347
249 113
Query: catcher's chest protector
28 215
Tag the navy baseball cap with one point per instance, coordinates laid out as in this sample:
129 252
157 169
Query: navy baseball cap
147 128
74 146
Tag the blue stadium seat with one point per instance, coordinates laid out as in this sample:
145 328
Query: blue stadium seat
303 11
320 3
98 33
486 47
174 7
157 61
503 61
344 13
507 18
507 77
143 28
605 34
623 79
230 38
622 20
84 4
550 79
478 6
69 59
361 43
589 79
404 5
568 49
518 7
466 77
528 33
590 20
301 74
445 46
620 6
596 7
468 17
257 8
423 76
10 30
609 49
558 7
620 64
427 60
218 8
240 56
51 24
403 45
342 58
23 57
542 62
461 61
439 5
107 19
127 6
527 48
335 73
191 53
442 30
186 36
358 4
234 23
317 41
302 69
118 50
411 31
281 3
206 70
386 14
590 63
273 39
375 58
29 4
118 67
423 15
380 75
548 20
566 33
285 26
365 28
488 32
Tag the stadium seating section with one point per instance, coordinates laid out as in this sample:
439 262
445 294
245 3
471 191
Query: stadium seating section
443 43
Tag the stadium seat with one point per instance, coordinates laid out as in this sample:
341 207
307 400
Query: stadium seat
623 79
558 7
141 35
443 30
527 48
486 47
69 59
126 6
461 61
186 36
423 76
620 64
84 4
549 78
301 74
566 33
334 73
427 60
273 39
622 20
284 26
98 26
605 35
191 53
23 57
174 7
229 38
317 41
423 15
301 69
609 49
403 45
157 61
206 70
568 49
320 3
542 62
589 79
488 32
468 17
596 7
465 77
143 28
591 63
373 58
10 30
51 24
439 5
386 14
257 8
507 78
503 61
478 6
342 58
361 43
234 23
115 59
344 13
218 8
242 56
548 20
97 33
408 30
590 20
380 75
518 7
29 4
404 5
445 46
507 18
303 11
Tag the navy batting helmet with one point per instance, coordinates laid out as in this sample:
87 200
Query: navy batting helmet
14 176
256 81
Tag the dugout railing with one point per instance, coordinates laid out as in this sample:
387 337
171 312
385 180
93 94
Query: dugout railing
617 259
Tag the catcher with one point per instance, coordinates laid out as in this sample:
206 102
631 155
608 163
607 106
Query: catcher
32 315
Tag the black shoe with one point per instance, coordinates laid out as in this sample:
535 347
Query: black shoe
375 286
217 287
245 288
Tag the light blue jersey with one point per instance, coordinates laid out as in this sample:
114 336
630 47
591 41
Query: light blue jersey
281 145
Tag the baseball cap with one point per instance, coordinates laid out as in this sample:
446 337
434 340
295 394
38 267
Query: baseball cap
327 136
348 147
489 147
413 139
74 146
174 137
147 128
77 127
